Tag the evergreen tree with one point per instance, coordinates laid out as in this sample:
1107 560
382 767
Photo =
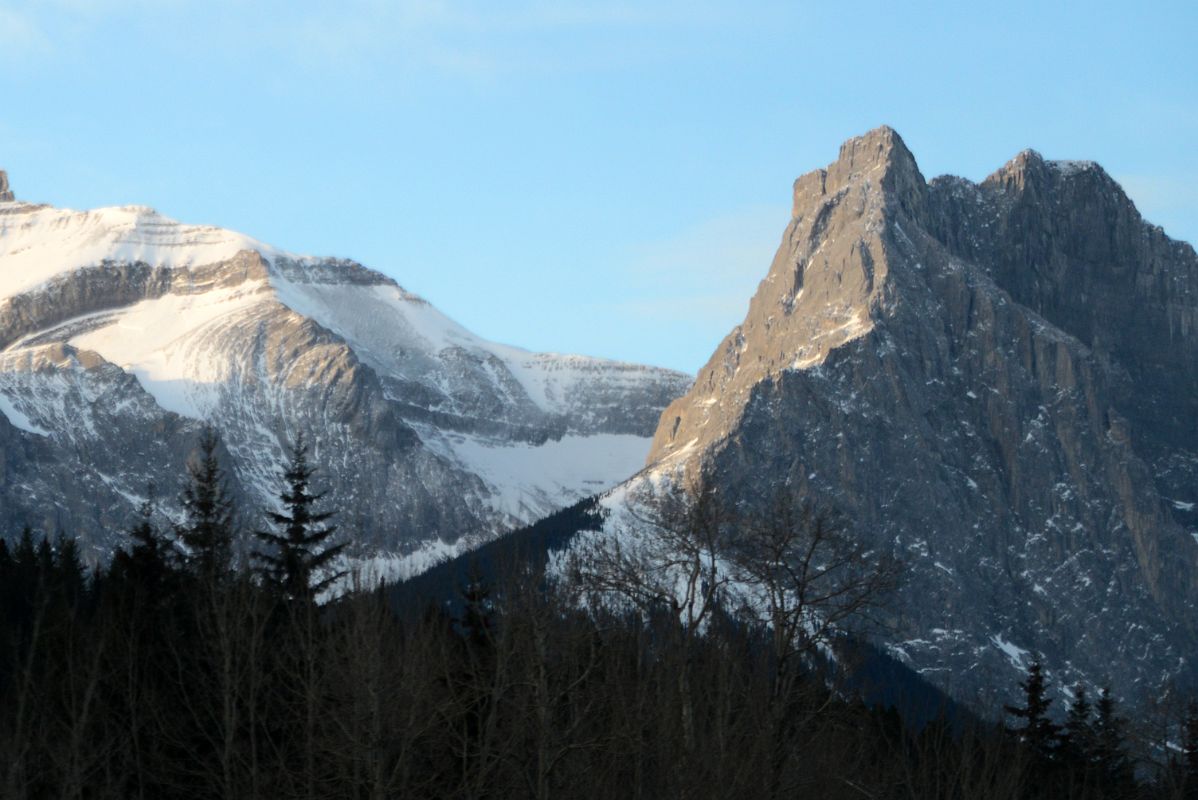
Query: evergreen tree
1189 750
26 575
477 611
298 553
1078 737
26 553
1110 750
207 533
147 563
68 575
44 560
1039 733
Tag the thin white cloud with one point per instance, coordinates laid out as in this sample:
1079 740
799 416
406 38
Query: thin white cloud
474 40
705 273
470 38
37 31
21 34
718 247
1167 200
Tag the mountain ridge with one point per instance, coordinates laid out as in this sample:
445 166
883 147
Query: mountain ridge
992 382
453 438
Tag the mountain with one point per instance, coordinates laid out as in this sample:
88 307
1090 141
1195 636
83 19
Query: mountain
995 381
123 331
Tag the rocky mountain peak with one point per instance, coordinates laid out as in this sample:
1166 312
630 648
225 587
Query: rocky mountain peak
829 280
881 147
877 158
995 382
447 437
1030 169
5 191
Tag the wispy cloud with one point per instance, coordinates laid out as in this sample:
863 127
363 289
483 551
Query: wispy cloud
42 30
706 273
21 34
472 38
1168 200
487 39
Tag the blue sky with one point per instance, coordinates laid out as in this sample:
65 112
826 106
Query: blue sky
598 177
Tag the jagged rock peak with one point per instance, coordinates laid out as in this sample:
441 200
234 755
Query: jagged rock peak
830 277
881 152
5 192
1030 167
882 145
997 382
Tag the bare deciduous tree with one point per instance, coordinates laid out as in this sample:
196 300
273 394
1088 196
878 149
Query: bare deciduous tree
808 578
671 560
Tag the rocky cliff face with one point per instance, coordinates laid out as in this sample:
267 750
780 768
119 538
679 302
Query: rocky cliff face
995 381
123 331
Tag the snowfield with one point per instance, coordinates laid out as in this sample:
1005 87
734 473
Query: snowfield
454 438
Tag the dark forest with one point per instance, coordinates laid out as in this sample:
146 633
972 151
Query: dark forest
194 667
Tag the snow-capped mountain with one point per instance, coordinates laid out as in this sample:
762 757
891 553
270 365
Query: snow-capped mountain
995 382
122 331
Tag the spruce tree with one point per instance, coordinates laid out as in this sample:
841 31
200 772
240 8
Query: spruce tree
27 570
26 551
1110 750
1078 738
298 553
207 533
478 609
45 560
69 575
148 561
1039 733
1189 751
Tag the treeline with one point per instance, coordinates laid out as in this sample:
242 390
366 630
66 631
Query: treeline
183 671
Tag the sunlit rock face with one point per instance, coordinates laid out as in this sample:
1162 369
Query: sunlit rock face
123 332
997 383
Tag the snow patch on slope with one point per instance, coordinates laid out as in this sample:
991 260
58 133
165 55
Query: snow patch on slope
1068 167
1015 654
531 480
400 334
18 418
368 572
38 243
161 342
385 325
838 330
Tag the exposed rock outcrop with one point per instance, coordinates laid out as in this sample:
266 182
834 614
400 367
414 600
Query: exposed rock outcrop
994 381
123 331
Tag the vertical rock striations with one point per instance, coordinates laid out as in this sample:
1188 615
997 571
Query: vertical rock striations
996 381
